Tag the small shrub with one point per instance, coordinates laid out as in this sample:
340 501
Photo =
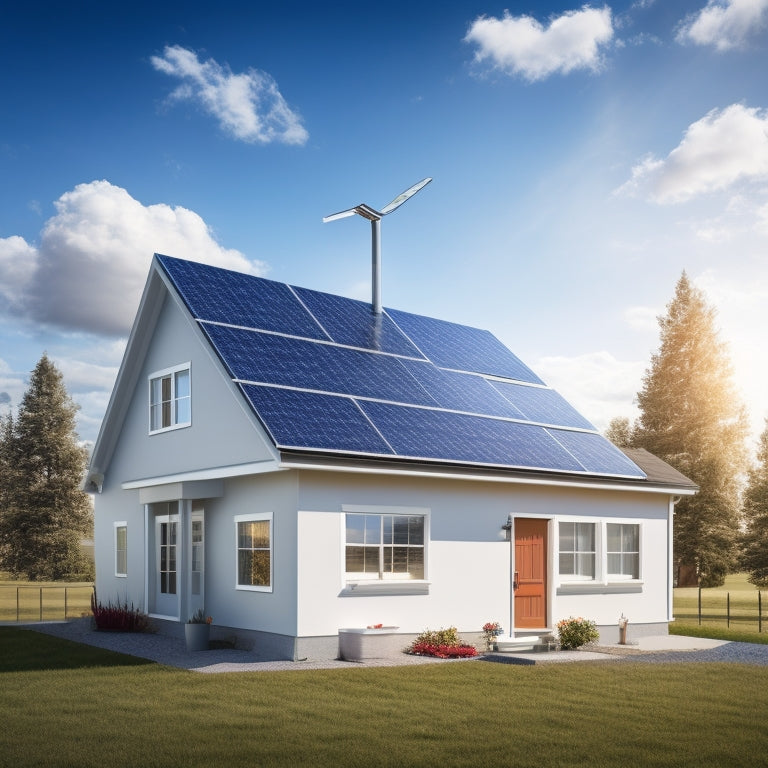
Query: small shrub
443 643
118 617
574 633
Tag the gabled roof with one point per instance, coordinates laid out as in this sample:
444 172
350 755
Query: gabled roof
325 376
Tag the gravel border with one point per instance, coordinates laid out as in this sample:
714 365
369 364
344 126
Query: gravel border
172 651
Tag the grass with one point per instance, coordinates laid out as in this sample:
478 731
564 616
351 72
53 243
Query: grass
108 709
21 600
743 608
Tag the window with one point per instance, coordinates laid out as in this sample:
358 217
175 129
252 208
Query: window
167 570
382 547
254 551
121 549
623 549
577 551
170 399
603 554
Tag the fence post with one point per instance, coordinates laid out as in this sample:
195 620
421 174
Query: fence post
759 611
65 603
17 604
41 603
699 604
728 608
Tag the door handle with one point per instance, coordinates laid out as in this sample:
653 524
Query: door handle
516 580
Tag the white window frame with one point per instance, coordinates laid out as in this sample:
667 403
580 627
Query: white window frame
249 518
118 573
387 584
172 373
602 579
614 577
574 577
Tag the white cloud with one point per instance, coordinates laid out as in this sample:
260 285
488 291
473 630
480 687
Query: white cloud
88 271
724 24
249 105
597 384
521 45
724 147
642 318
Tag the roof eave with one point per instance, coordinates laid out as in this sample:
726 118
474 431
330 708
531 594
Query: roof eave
339 463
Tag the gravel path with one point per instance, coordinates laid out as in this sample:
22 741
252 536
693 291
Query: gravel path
172 651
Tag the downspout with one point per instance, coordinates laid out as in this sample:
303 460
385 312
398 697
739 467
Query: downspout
670 558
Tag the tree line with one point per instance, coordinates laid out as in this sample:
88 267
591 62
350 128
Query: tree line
692 417
44 515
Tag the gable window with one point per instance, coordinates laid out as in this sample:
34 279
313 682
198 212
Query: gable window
121 549
254 551
384 547
623 549
170 404
577 551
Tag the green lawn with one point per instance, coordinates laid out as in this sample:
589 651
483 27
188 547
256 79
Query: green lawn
68 705
22 599
744 605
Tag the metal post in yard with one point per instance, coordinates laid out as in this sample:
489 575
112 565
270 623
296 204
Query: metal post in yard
759 611
728 609
699 604
17 603
41 603
65 603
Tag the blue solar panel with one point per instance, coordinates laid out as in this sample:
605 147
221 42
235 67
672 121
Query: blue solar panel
311 421
462 348
439 435
222 296
353 323
273 359
311 353
542 405
597 455
461 391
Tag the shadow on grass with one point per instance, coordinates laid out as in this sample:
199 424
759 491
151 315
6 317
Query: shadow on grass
22 650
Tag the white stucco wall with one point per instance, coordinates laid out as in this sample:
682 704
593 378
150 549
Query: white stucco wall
468 559
222 433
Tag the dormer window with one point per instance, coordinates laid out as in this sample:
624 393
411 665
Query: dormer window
170 404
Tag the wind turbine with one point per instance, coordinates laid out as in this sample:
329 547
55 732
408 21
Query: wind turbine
375 218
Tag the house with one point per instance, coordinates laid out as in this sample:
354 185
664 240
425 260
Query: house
295 464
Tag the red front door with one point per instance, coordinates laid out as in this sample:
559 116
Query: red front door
530 573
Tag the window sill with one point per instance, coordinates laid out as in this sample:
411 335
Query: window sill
365 588
600 588
171 428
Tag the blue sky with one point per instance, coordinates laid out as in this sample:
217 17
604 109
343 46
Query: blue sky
582 157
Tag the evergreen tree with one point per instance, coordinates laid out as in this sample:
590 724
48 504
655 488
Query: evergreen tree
619 432
44 513
755 542
692 418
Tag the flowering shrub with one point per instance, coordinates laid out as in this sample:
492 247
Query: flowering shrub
443 643
491 629
119 617
443 651
576 632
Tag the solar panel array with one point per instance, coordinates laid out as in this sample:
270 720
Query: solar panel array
324 374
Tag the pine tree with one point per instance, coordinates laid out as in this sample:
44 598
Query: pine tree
44 513
691 417
755 541
619 432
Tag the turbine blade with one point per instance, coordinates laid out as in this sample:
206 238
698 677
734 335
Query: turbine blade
340 215
403 196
